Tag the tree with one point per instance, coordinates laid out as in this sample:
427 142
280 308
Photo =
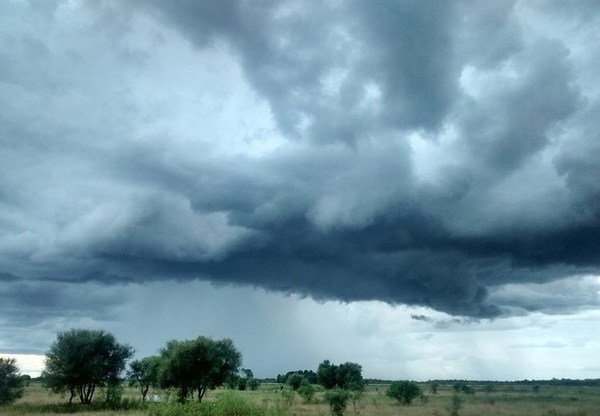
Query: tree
197 365
349 376
404 391
247 372
326 374
11 382
295 380
144 372
345 376
81 360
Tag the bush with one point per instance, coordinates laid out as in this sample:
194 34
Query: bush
404 391
306 391
241 384
455 405
338 400
253 383
113 396
287 398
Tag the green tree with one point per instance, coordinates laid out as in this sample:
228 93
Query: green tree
346 376
198 365
349 376
326 374
11 382
404 391
294 380
81 360
247 372
144 373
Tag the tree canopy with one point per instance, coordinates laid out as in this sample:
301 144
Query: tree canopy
11 382
344 376
145 373
197 365
404 391
81 360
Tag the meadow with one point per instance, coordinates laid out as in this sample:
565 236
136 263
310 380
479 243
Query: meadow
501 399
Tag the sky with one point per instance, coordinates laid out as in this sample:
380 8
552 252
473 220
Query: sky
410 185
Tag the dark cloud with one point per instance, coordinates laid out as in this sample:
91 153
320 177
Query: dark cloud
101 187
512 119
559 296
410 54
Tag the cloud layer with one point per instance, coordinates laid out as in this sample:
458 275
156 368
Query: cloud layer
415 153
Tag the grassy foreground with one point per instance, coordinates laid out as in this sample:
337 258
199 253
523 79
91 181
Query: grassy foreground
271 400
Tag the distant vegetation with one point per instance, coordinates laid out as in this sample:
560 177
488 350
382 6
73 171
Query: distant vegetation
174 382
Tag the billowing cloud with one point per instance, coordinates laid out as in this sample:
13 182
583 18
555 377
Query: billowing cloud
442 155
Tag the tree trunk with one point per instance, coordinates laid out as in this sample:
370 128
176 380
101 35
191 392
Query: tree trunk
201 391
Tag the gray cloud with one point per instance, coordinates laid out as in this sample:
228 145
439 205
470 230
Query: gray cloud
425 155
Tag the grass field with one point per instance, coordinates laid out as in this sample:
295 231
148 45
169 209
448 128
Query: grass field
505 400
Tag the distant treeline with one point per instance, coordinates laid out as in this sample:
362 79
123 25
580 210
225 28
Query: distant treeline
590 382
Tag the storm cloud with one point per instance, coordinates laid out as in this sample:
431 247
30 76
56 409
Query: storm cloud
437 154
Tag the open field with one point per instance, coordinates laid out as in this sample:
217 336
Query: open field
505 400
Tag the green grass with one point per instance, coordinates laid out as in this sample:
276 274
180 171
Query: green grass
271 400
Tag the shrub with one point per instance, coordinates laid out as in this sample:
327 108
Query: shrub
455 405
287 397
404 391
253 383
113 396
338 400
241 384
306 391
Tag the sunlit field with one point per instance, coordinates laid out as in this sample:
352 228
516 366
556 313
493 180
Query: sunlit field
274 399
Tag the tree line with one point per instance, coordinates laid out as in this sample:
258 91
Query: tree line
80 361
